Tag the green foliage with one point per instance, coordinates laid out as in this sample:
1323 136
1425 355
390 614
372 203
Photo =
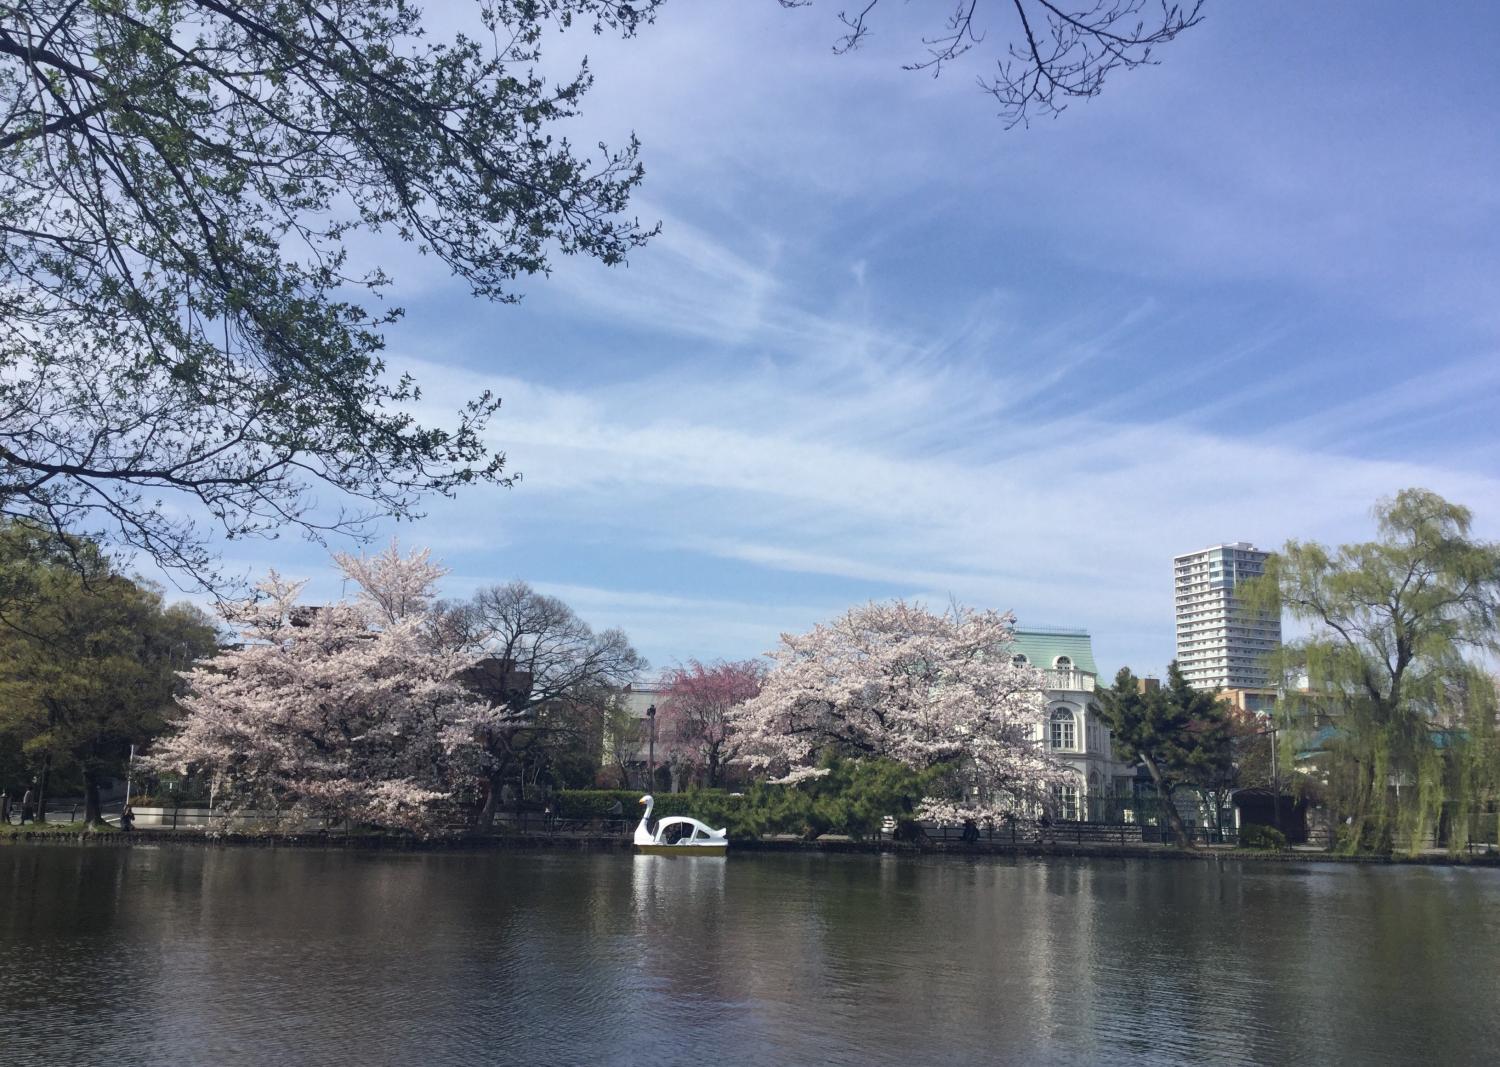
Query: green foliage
851 797
1368 839
179 181
1254 835
88 662
1390 667
596 803
58 828
854 797
741 814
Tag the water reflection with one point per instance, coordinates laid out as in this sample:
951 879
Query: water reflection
246 956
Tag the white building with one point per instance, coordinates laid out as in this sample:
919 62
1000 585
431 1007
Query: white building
1074 731
1220 643
633 752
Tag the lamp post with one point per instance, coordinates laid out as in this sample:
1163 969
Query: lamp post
1275 777
651 758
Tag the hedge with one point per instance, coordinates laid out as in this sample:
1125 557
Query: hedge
1254 835
596 803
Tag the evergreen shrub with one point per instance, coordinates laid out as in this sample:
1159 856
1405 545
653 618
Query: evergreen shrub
1253 835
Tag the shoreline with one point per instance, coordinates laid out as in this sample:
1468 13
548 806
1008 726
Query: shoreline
611 843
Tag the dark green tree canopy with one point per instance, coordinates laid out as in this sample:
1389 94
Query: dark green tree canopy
178 179
88 661
1179 733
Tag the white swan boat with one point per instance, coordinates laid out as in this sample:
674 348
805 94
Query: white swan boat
693 839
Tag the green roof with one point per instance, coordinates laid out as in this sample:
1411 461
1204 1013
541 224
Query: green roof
1042 645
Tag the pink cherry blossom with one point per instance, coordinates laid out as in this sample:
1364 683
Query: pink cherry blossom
347 711
895 680
694 721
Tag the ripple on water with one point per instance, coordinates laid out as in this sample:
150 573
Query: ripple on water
249 957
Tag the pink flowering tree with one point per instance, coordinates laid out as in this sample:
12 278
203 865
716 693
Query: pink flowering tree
896 681
344 711
694 720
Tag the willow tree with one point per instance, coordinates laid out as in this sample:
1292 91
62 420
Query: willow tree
1390 669
181 184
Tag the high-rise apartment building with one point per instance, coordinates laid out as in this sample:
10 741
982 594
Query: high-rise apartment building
1221 644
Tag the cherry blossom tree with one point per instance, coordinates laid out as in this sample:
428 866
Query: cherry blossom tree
896 681
694 719
344 711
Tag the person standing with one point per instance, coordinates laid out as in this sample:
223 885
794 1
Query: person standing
127 819
26 811
5 807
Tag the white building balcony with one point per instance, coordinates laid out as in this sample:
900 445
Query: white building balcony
1070 681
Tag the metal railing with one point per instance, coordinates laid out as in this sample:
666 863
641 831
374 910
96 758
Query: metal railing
1070 681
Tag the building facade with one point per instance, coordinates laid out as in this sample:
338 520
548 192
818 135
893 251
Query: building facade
629 748
1221 643
1073 729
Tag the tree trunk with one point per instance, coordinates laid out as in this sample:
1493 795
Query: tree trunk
491 799
41 788
93 812
1367 813
1174 819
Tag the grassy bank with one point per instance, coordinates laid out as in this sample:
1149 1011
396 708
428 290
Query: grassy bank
59 829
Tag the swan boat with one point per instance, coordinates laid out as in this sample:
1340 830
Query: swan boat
695 839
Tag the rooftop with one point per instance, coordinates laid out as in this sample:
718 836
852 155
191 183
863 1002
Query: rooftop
1041 645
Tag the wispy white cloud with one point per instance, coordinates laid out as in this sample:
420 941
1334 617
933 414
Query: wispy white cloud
898 479
884 348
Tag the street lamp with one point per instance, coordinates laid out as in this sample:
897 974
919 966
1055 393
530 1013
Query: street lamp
651 758
1275 775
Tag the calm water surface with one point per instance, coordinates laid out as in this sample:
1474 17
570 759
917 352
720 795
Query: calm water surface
198 956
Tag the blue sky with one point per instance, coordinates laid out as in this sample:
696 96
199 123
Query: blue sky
885 347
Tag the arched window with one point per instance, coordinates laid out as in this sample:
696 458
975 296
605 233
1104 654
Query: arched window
1063 727
1063 663
1019 659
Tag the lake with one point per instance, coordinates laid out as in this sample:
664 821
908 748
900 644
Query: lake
183 955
